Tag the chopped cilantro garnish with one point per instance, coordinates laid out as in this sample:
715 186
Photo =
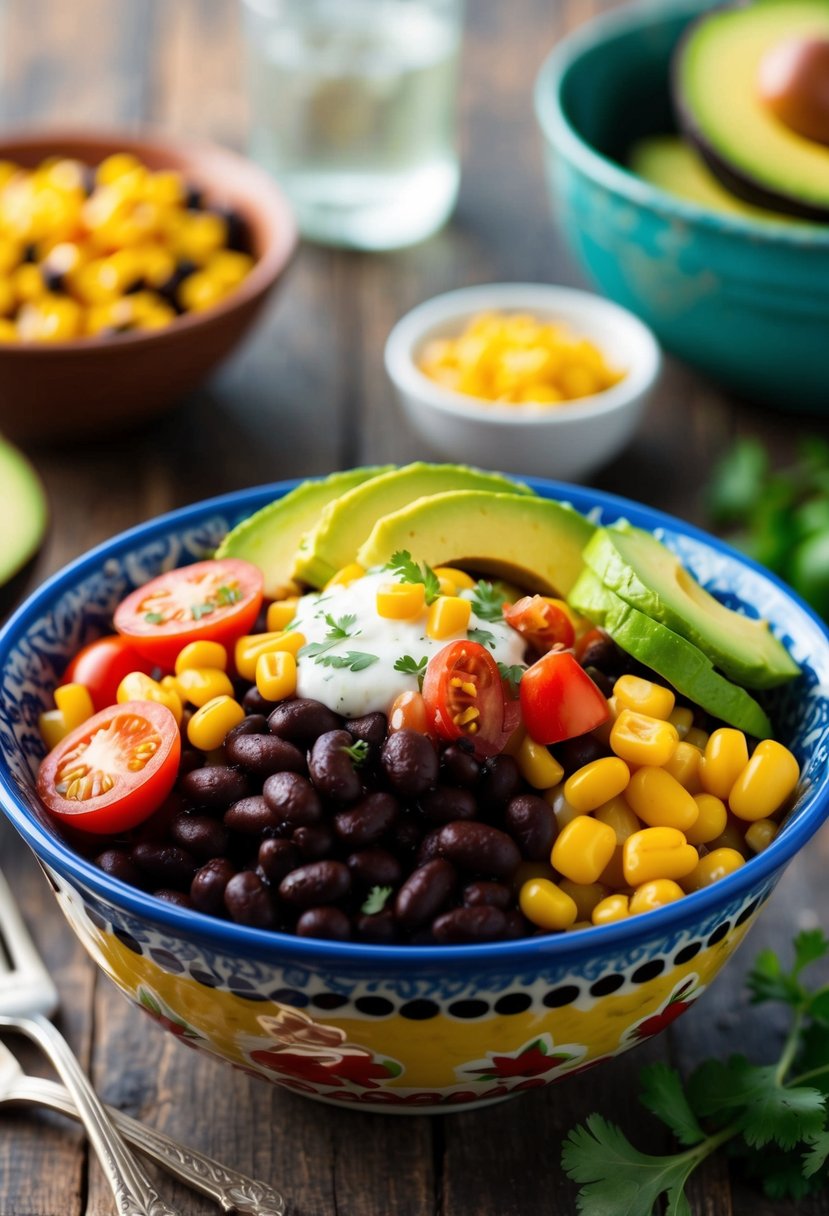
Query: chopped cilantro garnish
483 637
487 602
406 568
376 900
352 660
358 751
412 667
338 631
512 674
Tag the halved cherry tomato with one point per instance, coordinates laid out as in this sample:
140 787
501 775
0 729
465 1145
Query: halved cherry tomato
559 700
102 665
114 770
544 622
215 600
465 698
408 712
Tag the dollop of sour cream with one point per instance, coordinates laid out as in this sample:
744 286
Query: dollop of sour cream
355 674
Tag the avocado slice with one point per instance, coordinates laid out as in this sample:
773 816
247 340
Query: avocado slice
649 576
270 538
23 512
672 165
534 542
678 661
346 521
721 111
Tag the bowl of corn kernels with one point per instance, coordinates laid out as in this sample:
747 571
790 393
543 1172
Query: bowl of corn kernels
524 377
129 267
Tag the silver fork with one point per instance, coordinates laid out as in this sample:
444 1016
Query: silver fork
26 993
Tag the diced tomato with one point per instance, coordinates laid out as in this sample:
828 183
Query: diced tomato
544 622
559 700
215 600
464 696
102 665
115 770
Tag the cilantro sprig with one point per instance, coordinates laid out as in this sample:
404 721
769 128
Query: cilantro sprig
412 667
338 631
376 900
512 673
409 571
487 601
772 1117
352 660
358 751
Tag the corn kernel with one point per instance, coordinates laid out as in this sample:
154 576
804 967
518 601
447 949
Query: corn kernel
659 800
199 292
115 166
280 614
453 580
657 853
210 723
711 868
654 894
346 576
248 649
577 925
52 727
684 766
696 737
137 686
75 703
641 739
448 615
198 685
276 675
50 318
401 601
537 765
765 783
731 837
596 783
760 834
644 697
229 267
563 811
198 234
614 908
618 815
711 821
682 718
201 654
8 330
546 905
583 849
585 895
532 869
724 758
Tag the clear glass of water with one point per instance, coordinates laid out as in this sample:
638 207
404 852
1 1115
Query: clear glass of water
353 110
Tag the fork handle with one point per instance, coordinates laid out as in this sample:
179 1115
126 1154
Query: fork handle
132 1190
232 1191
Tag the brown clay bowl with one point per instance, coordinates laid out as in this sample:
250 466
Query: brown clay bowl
68 390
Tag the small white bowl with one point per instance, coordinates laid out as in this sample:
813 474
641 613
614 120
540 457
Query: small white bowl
561 441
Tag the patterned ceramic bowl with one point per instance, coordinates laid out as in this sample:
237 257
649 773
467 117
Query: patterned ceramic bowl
405 1028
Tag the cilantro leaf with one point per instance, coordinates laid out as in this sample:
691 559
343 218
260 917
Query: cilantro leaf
338 631
200 610
767 981
412 667
358 751
487 601
810 946
408 571
762 1108
482 636
376 900
817 1153
154 618
663 1094
352 660
512 674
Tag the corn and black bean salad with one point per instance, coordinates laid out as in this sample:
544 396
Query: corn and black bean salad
94 251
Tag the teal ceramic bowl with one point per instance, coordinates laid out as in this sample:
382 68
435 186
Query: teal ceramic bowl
746 301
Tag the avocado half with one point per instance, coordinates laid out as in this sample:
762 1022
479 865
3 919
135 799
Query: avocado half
23 521
719 109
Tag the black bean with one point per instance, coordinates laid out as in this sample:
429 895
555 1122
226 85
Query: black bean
331 923
173 897
292 798
429 847
410 762
216 785
480 924
407 834
602 680
166 864
458 764
374 868
500 781
371 729
315 842
517 925
190 758
264 754
487 894
157 827
253 724
302 720
575 753
254 703
378 927
479 848
368 821
276 858
117 863
425 893
532 824
447 803
236 233
602 652
251 816
320 882
201 835
249 901
207 890
332 767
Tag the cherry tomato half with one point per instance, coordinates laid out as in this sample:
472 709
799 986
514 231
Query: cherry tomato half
544 622
559 700
102 665
114 770
465 698
215 600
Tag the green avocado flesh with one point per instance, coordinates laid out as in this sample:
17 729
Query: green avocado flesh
640 570
678 661
270 538
23 512
534 542
347 520
720 109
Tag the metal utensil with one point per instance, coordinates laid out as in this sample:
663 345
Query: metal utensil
233 1192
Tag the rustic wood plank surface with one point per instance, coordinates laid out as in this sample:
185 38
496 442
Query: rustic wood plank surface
306 395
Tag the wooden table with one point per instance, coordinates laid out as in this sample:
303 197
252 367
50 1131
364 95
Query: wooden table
305 396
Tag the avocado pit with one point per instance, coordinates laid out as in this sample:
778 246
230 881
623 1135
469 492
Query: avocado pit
793 83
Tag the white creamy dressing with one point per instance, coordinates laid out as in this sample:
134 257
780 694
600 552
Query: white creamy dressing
374 686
